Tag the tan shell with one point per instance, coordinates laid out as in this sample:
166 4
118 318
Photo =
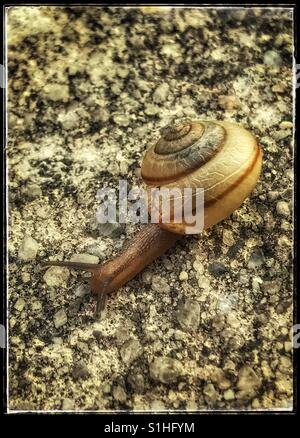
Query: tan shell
221 157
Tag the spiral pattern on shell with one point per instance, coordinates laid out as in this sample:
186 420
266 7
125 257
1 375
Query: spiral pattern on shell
183 147
221 157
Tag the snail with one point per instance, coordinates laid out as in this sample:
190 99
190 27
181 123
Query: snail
222 158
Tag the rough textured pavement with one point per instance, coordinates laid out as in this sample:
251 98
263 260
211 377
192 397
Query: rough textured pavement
207 326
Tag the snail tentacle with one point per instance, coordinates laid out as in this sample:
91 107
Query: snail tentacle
89 267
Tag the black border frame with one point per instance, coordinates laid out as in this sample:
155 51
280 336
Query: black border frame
139 417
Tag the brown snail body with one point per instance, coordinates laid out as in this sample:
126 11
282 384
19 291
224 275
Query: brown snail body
221 157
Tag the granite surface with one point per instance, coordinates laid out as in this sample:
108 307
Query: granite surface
207 326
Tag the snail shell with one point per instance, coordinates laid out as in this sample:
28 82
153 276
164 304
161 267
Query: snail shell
221 157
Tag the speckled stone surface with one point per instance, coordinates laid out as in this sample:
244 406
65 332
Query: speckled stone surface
207 326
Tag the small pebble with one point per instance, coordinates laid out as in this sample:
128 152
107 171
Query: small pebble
188 315
165 370
57 340
248 379
160 284
136 381
217 269
20 304
257 259
36 305
130 351
286 125
56 276
147 277
60 318
97 249
228 238
283 209
167 264
198 266
271 287
119 393
183 276
279 88
32 191
209 391
288 346
229 395
161 93
82 290
28 249
255 404
69 120
151 110
110 229
68 404
171 50
56 92
84 258
80 371
229 102
272 58
157 406
103 115
284 241
26 277
121 119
